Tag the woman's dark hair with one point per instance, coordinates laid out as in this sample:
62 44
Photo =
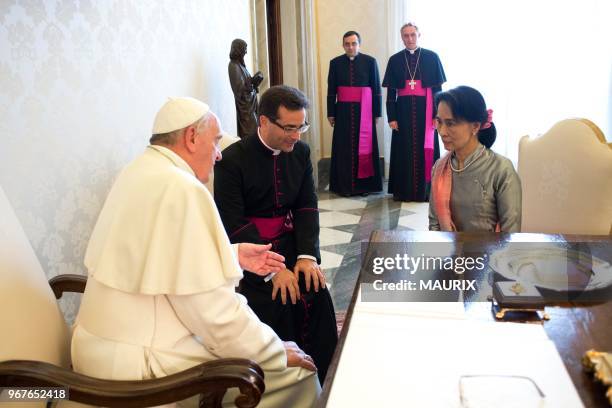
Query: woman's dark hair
467 104
281 95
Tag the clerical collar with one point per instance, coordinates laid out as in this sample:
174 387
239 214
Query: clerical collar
412 51
274 151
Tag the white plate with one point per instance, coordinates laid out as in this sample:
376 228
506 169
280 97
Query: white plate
552 267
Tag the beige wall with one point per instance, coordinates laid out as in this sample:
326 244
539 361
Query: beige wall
80 82
333 19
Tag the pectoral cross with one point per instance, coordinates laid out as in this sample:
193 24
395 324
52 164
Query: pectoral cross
412 83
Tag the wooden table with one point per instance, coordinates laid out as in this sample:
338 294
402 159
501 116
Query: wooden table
574 327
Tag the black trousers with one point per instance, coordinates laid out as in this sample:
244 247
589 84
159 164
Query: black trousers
311 322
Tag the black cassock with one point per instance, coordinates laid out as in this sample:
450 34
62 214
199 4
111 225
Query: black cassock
362 71
254 189
407 170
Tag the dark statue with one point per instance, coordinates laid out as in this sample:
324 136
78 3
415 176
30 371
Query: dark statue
245 88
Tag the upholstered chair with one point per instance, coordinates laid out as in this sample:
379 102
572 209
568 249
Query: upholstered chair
225 141
566 176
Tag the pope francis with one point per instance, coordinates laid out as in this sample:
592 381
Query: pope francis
160 294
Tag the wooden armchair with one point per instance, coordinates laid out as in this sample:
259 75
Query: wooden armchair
35 341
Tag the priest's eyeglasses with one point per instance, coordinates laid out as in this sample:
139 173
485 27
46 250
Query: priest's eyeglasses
292 129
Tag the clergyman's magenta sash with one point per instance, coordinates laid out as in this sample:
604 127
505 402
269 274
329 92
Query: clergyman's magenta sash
362 94
273 227
428 146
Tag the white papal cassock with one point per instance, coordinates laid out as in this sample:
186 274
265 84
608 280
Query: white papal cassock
160 295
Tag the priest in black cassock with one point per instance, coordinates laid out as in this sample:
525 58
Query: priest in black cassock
413 77
353 109
265 192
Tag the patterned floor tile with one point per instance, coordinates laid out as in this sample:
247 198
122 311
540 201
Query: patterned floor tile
335 218
330 260
416 207
329 236
347 228
342 259
416 222
340 204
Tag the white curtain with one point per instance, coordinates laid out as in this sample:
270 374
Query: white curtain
536 62
395 11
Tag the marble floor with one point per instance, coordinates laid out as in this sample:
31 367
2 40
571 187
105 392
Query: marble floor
346 224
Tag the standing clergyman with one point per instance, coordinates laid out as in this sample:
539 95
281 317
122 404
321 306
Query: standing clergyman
353 109
413 76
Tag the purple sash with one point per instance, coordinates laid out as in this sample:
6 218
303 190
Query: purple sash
362 94
273 227
429 128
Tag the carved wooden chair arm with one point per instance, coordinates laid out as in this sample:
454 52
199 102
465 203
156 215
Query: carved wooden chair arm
210 379
67 283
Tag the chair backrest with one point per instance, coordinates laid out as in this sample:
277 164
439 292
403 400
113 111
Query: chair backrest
32 326
566 176
225 141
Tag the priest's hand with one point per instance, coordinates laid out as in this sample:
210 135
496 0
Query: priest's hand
297 358
259 259
393 125
283 282
332 120
312 272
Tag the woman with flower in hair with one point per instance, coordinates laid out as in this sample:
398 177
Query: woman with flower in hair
473 188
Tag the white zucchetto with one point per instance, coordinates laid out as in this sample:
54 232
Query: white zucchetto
178 113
